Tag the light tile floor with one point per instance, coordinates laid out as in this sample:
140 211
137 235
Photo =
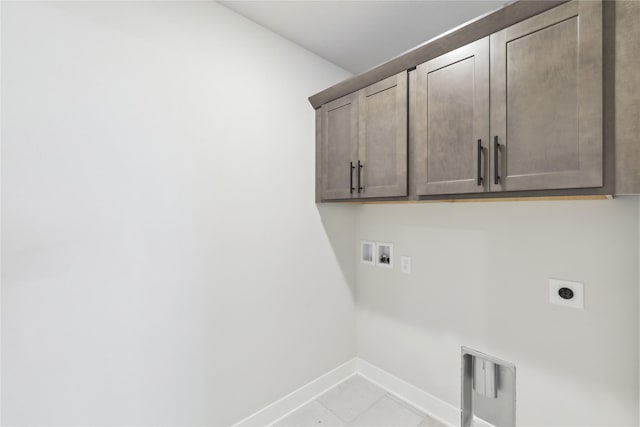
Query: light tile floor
358 402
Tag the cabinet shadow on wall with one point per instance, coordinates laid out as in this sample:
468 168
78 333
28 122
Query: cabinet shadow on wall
339 224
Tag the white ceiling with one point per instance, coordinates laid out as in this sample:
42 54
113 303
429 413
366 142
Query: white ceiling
357 35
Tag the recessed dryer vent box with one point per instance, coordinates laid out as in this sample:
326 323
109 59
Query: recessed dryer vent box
384 254
488 390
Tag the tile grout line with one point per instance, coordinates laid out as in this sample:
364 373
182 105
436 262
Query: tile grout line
423 416
346 423
370 406
409 402
282 417
407 405
329 409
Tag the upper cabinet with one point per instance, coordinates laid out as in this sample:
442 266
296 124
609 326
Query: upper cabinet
451 122
535 99
544 117
364 142
546 100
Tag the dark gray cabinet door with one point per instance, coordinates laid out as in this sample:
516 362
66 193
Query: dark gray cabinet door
546 100
451 122
339 121
383 138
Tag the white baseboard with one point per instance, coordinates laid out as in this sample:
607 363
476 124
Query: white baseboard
294 400
422 400
419 398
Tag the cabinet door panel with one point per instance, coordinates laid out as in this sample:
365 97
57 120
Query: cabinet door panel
546 100
339 146
383 138
452 104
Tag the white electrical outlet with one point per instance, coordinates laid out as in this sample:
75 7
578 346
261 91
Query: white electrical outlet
566 293
405 264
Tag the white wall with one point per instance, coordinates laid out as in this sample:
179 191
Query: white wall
163 260
164 263
480 279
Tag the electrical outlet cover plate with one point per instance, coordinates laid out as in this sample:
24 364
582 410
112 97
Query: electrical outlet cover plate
405 264
576 287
